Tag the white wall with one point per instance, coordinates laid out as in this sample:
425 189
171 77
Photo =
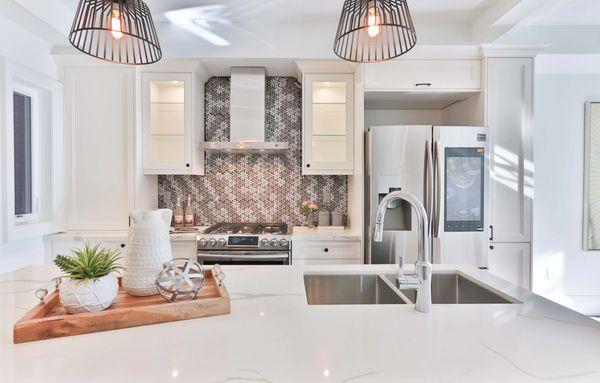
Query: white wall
561 270
26 49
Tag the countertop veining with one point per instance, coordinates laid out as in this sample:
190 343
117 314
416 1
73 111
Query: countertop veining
273 335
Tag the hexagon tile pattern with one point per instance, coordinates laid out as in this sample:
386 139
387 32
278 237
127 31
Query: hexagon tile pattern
254 187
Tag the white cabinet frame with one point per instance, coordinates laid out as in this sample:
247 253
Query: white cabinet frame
188 165
309 165
509 115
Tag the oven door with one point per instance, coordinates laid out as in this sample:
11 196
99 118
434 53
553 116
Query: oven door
244 257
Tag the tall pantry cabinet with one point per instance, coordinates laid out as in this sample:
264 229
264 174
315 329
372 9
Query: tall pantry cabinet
509 116
99 146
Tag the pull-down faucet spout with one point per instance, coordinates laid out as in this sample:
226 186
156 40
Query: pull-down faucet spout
423 265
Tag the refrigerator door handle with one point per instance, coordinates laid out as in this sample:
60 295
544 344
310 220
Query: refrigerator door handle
428 181
437 154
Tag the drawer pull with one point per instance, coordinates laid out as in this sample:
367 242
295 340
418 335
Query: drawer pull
423 84
122 245
326 250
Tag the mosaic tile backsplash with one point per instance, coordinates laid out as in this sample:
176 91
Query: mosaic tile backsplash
254 187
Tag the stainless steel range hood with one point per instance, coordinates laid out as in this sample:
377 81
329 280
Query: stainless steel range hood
247 113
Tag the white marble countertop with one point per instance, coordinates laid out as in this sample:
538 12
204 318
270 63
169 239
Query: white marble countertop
273 335
115 235
299 233
303 233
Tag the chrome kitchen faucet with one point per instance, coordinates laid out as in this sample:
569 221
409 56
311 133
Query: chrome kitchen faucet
423 265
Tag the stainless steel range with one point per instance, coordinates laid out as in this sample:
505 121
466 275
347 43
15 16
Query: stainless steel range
245 243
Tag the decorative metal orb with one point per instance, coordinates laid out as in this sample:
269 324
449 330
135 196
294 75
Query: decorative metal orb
180 279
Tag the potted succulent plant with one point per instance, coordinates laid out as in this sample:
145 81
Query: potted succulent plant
90 283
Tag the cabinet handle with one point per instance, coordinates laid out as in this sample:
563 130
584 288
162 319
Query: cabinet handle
308 165
187 165
491 233
326 250
122 245
423 84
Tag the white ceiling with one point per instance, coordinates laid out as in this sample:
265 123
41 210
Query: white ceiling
287 28
306 28
566 12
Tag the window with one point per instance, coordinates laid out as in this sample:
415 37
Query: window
25 154
32 128
22 151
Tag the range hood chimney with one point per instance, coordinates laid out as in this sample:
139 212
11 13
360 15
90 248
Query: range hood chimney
247 114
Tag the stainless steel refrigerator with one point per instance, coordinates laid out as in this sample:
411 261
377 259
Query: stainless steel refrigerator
447 167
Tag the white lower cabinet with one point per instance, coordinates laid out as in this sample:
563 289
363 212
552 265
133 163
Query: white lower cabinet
64 246
184 249
302 262
326 252
512 262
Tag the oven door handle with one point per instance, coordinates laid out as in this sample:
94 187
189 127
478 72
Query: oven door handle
262 257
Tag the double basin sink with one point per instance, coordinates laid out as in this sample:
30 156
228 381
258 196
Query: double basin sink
355 289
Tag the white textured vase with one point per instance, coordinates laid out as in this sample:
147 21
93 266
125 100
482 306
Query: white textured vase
89 296
149 246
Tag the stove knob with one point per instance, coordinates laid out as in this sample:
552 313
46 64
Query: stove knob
202 242
283 242
222 242
212 242
274 242
264 242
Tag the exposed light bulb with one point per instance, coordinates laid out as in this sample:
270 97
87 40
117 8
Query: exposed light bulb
115 24
373 22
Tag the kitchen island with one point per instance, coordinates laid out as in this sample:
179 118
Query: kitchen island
273 335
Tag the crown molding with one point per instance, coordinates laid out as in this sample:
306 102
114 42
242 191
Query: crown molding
512 50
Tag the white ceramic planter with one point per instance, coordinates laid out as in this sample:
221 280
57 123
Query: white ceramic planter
90 296
149 246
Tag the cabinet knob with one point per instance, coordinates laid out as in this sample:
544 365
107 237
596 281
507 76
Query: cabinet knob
187 165
326 250
491 247
308 165
122 245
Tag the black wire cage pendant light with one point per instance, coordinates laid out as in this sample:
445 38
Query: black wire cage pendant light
119 31
374 30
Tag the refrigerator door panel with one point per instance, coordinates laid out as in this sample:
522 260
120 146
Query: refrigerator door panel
462 191
394 162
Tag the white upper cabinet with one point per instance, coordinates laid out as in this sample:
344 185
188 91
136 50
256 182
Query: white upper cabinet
328 138
169 140
509 95
424 75
99 147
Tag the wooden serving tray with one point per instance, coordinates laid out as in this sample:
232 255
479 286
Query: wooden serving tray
50 320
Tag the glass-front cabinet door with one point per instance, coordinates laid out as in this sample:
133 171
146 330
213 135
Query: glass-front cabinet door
328 139
167 123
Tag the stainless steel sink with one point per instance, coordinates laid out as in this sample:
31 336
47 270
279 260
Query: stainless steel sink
342 289
375 289
454 288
